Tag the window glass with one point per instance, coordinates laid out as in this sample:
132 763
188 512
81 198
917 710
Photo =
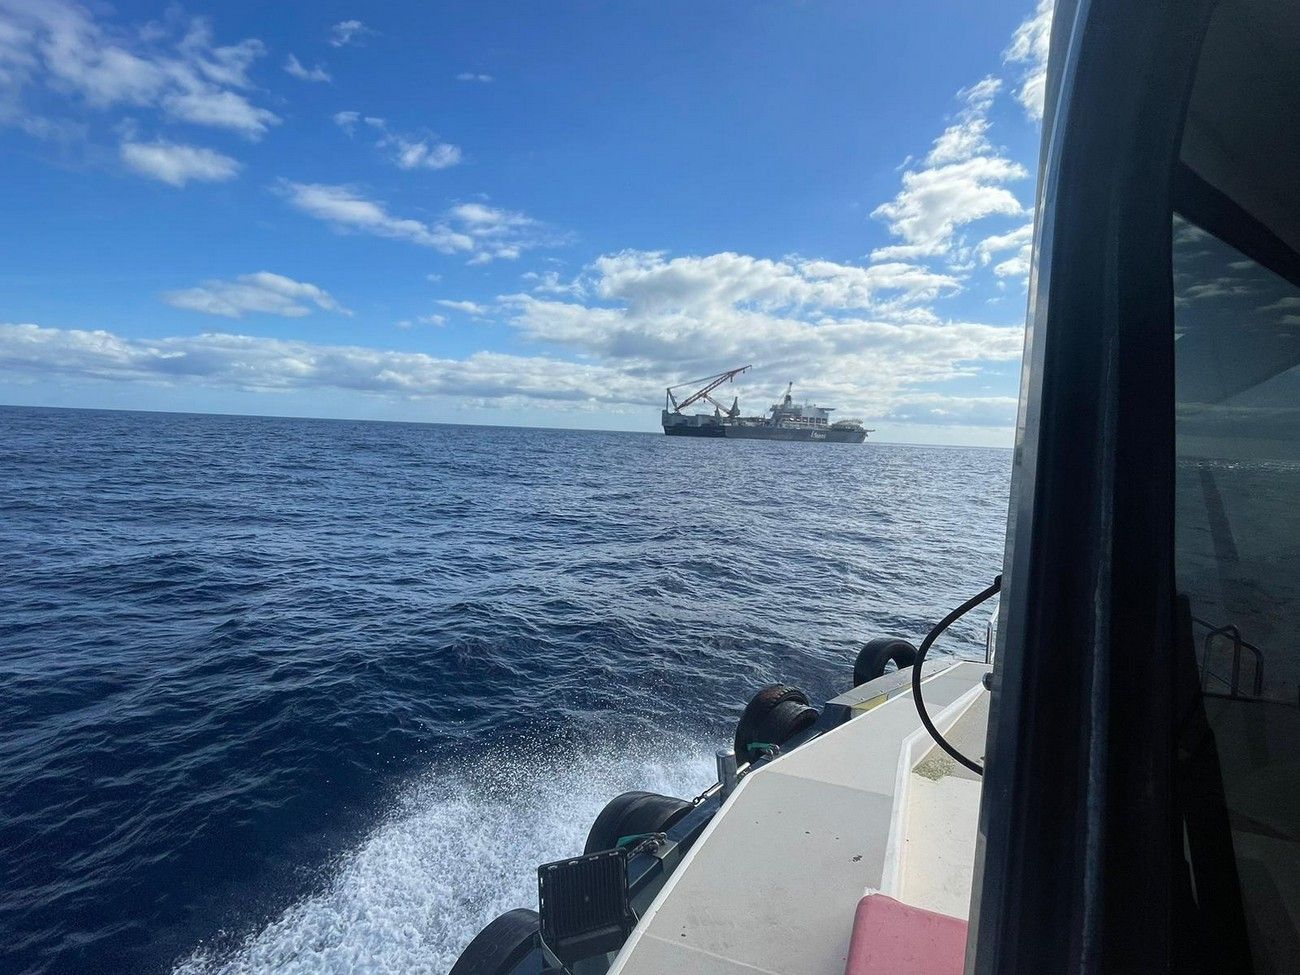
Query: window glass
1237 337
1237 354
1236 277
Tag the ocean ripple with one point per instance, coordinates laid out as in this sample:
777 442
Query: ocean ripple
309 695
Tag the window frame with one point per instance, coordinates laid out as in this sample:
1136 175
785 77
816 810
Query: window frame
1078 861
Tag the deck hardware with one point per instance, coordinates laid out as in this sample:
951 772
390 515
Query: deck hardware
584 906
726 758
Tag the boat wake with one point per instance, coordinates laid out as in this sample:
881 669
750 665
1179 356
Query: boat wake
459 849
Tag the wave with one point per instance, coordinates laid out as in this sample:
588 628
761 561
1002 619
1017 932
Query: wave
460 848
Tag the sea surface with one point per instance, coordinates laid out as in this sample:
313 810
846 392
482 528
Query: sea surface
284 695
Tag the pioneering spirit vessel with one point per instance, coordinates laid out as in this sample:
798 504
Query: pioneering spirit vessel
786 420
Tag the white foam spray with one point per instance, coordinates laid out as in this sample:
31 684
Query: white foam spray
460 849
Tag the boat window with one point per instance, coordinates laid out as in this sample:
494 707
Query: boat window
1236 276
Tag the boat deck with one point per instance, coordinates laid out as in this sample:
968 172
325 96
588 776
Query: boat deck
773 883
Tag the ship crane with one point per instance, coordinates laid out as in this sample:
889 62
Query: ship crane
706 387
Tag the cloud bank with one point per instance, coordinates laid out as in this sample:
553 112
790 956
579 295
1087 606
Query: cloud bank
859 337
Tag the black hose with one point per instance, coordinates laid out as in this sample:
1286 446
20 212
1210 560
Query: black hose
933 635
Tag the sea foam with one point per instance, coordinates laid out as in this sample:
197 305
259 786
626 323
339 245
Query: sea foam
460 848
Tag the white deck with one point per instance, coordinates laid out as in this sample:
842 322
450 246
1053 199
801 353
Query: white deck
772 884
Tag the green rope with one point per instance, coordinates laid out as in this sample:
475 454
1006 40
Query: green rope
763 747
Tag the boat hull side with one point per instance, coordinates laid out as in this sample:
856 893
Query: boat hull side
681 430
731 432
797 436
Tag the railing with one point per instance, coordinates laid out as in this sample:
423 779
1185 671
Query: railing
1238 645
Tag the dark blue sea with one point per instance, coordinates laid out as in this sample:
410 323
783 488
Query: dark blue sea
284 695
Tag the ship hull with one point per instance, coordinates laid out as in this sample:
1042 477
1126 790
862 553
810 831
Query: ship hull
729 431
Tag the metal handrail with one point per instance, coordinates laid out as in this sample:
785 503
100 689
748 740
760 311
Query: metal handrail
1238 644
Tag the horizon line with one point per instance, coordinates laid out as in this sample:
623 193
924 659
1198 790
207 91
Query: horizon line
425 423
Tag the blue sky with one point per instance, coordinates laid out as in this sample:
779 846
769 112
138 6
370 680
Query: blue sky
519 213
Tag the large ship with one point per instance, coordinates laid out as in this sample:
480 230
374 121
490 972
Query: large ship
786 420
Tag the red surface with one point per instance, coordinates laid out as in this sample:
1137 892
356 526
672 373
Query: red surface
891 938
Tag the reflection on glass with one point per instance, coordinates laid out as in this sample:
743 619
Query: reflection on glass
1237 373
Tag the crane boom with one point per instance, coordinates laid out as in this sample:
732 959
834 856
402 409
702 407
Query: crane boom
710 384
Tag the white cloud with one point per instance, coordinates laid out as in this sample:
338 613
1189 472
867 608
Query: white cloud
1014 267
348 31
965 178
468 307
345 209
1030 46
849 349
178 164
403 150
483 233
499 234
1020 240
473 76
549 283
60 46
409 151
1282 304
484 379
968 136
962 179
492 219
935 202
263 292
63 131
856 336
861 338
347 121
274 365
1012 240
419 154
651 284
295 67
220 109
437 321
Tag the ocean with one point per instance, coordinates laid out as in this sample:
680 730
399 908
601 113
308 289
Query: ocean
283 695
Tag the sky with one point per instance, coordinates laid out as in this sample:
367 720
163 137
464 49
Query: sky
520 213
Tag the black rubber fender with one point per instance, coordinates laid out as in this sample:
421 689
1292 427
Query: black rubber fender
633 814
876 654
772 717
501 946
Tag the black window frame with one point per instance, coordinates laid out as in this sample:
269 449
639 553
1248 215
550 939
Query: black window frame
1079 862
